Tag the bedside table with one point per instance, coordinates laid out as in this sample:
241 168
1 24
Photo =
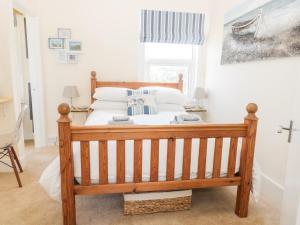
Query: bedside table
200 111
82 115
79 110
195 109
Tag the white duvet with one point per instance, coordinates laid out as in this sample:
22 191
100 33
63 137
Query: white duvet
50 178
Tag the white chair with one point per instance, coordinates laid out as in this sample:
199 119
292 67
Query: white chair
6 146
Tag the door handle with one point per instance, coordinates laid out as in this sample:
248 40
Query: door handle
290 129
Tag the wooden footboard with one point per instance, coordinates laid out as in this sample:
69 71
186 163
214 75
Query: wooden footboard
138 133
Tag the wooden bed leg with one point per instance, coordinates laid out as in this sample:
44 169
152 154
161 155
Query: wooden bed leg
246 164
66 165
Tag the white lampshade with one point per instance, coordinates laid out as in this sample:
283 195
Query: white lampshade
199 93
70 92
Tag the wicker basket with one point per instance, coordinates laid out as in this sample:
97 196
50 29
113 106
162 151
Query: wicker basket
161 202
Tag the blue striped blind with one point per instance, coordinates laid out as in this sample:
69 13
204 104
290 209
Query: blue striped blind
172 27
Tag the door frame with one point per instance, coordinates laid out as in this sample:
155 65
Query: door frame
35 72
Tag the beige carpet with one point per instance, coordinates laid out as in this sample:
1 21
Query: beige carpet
31 205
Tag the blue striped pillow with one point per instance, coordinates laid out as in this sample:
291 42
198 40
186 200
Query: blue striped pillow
140 102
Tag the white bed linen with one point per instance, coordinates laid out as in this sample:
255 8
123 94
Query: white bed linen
50 178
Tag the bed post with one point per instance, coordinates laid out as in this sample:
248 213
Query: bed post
180 82
93 84
66 165
246 164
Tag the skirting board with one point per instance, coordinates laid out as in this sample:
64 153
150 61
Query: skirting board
271 191
52 140
28 136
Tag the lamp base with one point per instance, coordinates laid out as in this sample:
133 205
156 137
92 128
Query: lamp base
71 103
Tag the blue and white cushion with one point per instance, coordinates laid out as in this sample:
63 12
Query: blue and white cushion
140 102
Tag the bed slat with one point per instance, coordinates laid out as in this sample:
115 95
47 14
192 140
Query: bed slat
232 157
186 164
202 158
171 159
138 161
85 162
217 158
120 161
103 164
154 160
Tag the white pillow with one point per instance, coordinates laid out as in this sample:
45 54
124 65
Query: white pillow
165 95
111 94
106 105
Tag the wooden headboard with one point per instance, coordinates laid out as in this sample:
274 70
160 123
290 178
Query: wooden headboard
133 85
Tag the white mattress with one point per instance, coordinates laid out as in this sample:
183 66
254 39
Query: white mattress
50 178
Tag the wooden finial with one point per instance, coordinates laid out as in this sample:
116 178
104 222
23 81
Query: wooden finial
93 73
251 109
64 110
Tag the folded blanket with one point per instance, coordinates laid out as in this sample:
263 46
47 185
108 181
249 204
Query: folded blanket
186 119
186 122
120 118
112 122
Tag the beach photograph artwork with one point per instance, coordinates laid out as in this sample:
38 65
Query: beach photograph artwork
258 32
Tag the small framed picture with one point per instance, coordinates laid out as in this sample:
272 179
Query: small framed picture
56 43
75 46
72 58
64 33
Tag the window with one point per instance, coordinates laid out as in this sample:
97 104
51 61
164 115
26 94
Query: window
163 63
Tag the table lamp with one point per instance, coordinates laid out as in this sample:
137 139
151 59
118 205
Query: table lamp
199 94
70 92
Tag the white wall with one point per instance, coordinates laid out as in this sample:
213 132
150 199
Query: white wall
7 116
109 31
267 83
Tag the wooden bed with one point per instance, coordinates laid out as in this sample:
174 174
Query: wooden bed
69 133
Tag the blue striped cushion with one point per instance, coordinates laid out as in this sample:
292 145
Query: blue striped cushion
140 102
131 92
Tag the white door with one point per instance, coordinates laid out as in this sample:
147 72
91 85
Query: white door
36 80
290 214
24 76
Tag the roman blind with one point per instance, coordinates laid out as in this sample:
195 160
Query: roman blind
172 27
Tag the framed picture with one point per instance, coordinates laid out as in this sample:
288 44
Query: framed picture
75 46
72 58
64 33
56 43
251 32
